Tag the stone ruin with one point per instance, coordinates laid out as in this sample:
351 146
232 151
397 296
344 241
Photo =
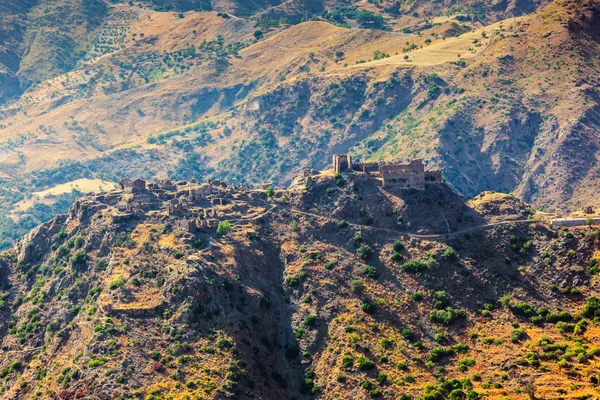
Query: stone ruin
132 186
403 176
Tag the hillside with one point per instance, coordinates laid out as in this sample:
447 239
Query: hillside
505 106
324 292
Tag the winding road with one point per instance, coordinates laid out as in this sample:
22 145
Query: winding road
440 236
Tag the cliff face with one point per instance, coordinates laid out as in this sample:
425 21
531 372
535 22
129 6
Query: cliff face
326 292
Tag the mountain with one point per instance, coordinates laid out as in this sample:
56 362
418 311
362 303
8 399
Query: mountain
504 105
341 290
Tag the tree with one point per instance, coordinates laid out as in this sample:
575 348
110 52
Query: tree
270 192
224 228
368 19
258 34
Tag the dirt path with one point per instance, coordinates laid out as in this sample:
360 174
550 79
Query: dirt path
441 236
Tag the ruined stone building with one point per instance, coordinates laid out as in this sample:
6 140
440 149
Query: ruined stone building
129 186
403 176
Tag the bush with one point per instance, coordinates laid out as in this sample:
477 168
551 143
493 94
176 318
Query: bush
357 286
369 271
414 266
294 280
368 308
224 228
347 362
517 335
310 321
447 316
449 254
438 353
523 309
441 299
432 263
53 326
398 246
592 308
457 394
407 334
560 316
117 283
364 251
364 363
465 363
78 260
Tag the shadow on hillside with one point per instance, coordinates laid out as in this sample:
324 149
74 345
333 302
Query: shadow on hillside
254 311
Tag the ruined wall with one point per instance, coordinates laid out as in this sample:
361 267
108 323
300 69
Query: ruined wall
405 176
367 167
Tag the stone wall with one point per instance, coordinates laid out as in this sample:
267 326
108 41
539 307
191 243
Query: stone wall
406 176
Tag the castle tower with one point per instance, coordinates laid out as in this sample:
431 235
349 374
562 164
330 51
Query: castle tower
341 163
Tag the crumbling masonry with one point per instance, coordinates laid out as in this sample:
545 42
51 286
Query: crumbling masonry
403 176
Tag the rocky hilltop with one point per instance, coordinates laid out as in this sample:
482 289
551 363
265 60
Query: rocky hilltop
334 288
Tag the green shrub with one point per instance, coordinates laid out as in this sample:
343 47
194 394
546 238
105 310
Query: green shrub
402 366
465 363
447 316
97 363
592 308
364 363
368 308
357 286
518 334
441 298
117 283
300 333
310 321
523 309
438 353
224 228
347 362
560 316
294 280
78 260
414 266
369 271
270 191
398 246
449 254
364 251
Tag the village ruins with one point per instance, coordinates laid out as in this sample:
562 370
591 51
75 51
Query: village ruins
192 206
